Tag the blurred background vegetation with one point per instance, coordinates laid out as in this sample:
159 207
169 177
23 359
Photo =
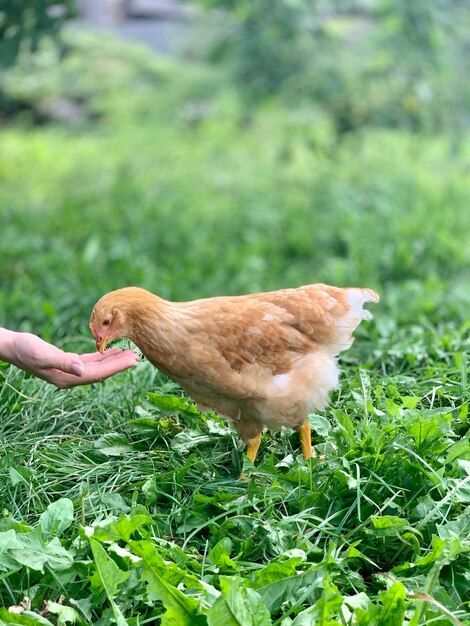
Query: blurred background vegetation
288 142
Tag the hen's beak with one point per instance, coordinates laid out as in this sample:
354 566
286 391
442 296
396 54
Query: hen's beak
101 344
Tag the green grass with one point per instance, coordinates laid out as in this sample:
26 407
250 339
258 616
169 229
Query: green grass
118 504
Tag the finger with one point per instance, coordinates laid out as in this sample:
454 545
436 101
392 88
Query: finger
68 362
115 350
99 356
120 355
107 368
94 371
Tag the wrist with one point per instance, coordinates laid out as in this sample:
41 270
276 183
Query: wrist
7 345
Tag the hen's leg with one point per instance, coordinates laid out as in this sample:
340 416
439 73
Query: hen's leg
306 440
253 447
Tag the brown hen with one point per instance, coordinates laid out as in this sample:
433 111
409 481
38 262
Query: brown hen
265 359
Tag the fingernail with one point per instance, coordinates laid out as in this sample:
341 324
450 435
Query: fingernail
77 369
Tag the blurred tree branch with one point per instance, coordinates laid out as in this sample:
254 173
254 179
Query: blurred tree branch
23 23
386 62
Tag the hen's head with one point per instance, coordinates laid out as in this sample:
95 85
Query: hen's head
112 316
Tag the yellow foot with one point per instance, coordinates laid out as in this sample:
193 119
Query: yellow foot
252 451
253 447
306 441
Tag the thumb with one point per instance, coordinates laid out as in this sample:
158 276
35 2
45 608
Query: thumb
71 364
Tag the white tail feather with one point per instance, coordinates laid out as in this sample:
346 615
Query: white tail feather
354 316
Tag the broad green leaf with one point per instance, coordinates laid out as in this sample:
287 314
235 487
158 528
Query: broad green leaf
458 450
168 570
120 619
393 602
114 502
430 431
319 424
26 618
57 517
425 506
34 553
220 555
113 444
438 546
389 521
181 610
110 577
188 439
8 542
109 573
238 605
58 557
388 525
359 600
19 475
291 589
391 611
123 528
274 572
460 490
146 423
324 610
456 529
84 606
346 426
464 465
173 617
354 553
410 402
369 616
172 403
8 523
463 413
65 614
218 427
220 613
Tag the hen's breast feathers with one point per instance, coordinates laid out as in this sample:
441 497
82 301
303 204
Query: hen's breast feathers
229 346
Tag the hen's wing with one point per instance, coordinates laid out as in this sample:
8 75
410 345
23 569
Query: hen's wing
228 335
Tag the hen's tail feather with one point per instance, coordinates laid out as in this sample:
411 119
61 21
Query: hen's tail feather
346 325
357 298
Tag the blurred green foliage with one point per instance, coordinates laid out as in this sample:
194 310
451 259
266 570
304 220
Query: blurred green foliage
163 180
382 62
24 23
123 168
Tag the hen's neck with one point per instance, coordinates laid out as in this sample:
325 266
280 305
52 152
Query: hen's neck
155 327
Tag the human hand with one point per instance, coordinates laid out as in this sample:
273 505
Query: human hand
63 369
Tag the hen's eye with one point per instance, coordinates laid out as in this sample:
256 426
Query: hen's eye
105 322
